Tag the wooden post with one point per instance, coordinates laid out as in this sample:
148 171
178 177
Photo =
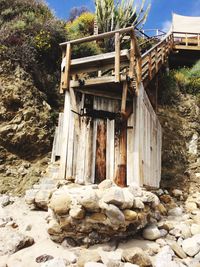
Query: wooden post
186 41
132 56
67 68
117 57
150 67
65 136
124 97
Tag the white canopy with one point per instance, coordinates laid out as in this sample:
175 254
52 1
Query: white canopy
185 24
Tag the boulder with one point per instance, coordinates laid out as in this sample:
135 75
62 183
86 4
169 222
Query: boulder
151 232
136 256
60 203
99 217
106 184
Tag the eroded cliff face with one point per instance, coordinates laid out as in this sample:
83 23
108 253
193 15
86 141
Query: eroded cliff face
181 143
26 131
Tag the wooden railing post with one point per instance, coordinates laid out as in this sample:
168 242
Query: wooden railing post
186 41
117 57
150 66
132 55
66 80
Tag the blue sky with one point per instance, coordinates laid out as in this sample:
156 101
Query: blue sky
159 17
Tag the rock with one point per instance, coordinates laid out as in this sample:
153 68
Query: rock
175 211
190 206
177 193
111 259
195 229
136 256
69 242
43 258
115 215
57 262
191 246
150 198
138 204
42 199
99 217
130 215
106 184
164 258
54 228
4 200
4 218
88 256
162 210
177 249
128 199
151 232
28 227
89 200
114 196
94 264
60 203
30 196
77 212
166 199
12 241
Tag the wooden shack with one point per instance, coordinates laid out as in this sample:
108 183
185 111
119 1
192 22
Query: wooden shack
109 129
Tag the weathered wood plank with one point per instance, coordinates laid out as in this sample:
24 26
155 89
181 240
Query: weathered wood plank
100 164
64 142
117 57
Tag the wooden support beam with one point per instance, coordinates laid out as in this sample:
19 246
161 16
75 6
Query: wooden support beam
66 80
117 57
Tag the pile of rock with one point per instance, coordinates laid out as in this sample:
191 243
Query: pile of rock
96 213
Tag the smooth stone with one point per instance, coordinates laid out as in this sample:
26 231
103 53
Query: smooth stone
137 256
112 258
151 232
195 228
138 204
191 246
175 211
60 203
87 256
190 206
177 249
89 199
115 215
77 212
130 215
100 217
114 196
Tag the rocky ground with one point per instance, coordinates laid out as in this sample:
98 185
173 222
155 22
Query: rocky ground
171 240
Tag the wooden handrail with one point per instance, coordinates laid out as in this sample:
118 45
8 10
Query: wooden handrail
99 36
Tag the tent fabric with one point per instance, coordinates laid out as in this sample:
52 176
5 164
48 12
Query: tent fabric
185 24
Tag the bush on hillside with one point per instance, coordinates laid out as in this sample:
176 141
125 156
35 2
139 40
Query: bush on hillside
80 27
30 37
